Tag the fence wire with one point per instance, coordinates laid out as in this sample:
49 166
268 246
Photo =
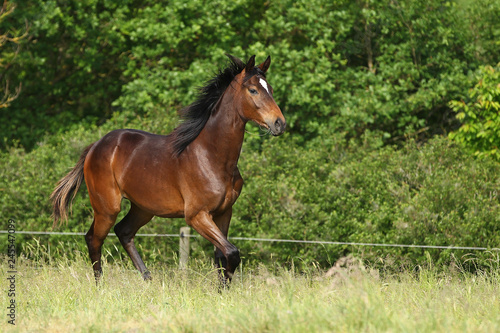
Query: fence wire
276 240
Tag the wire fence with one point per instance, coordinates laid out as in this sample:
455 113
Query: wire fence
276 240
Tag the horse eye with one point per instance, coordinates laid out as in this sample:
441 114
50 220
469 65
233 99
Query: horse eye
253 91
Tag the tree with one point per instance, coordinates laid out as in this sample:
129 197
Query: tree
385 67
9 48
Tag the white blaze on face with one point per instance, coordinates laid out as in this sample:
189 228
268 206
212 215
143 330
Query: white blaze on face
263 83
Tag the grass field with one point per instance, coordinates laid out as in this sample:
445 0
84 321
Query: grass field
62 297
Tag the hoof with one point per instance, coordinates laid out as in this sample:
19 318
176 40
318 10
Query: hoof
147 276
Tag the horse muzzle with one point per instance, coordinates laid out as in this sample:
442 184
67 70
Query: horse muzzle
277 127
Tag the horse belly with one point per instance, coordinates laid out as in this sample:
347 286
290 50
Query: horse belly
161 201
153 189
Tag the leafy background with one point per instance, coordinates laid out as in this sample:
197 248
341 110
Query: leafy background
392 110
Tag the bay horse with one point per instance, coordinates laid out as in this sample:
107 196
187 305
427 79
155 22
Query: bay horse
191 173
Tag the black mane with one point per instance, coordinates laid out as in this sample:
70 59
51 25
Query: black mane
196 115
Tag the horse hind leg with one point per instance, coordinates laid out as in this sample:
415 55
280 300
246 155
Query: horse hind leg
126 230
95 238
105 201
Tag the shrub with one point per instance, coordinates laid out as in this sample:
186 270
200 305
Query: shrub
432 194
480 115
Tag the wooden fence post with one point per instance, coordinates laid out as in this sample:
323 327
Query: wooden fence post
184 247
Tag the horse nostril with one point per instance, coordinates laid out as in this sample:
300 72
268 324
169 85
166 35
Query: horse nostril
277 125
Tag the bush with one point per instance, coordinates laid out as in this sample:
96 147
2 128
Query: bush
431 194
480 115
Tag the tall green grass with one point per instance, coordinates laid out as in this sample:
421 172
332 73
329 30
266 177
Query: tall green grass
61 296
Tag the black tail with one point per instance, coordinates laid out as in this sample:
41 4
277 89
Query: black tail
66 190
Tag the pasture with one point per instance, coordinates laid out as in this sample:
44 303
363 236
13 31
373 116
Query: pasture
62 297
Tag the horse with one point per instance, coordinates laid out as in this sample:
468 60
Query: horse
192 173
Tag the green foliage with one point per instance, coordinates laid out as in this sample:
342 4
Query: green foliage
347 66
10 40
480 115
434 194
70 67
428 195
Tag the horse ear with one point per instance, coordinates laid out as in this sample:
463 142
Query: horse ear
265 65
236 60
250 64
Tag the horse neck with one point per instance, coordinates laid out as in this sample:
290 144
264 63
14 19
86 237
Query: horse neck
224 131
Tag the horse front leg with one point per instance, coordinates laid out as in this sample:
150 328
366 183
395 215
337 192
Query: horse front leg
220 260
227 256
